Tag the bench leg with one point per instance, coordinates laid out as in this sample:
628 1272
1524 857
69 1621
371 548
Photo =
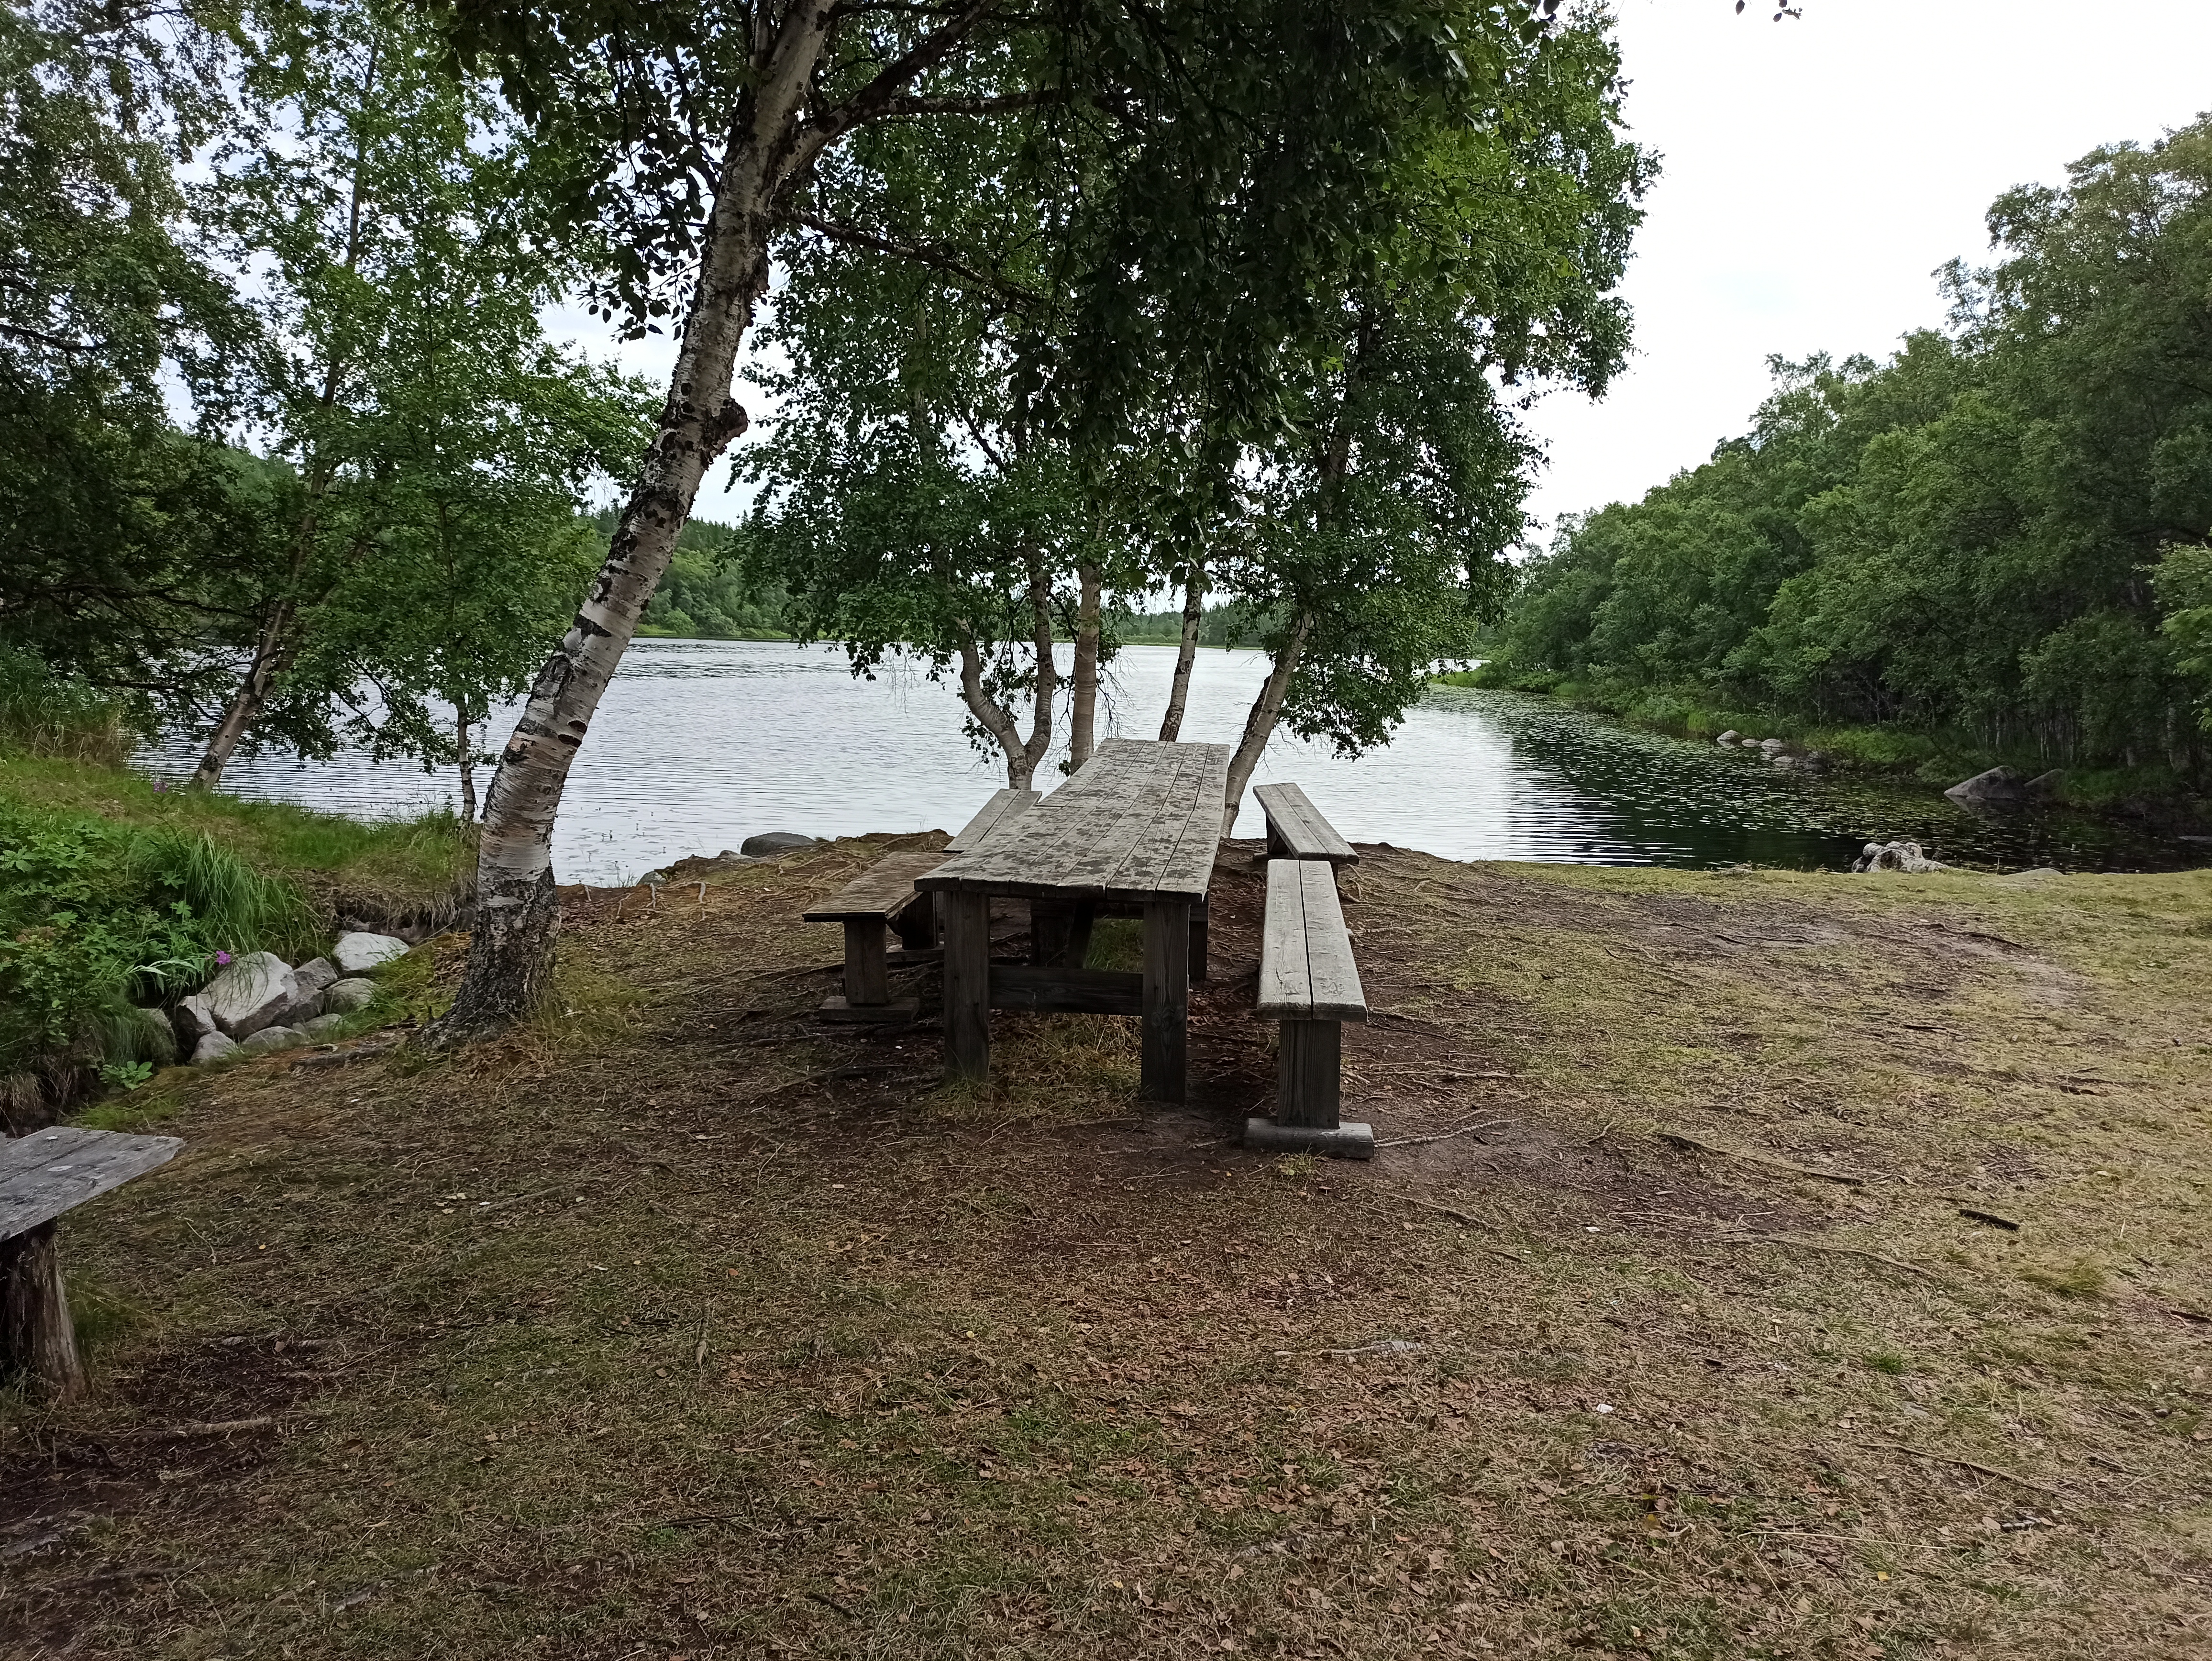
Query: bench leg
967 984
868 977
917 924
1309 1074
1166 1001
36 1337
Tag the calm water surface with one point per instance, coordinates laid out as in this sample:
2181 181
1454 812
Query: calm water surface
701 744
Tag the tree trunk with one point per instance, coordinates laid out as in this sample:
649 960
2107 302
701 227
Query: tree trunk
1082 705
511 945
1259 725
269 651
466 754
1193 613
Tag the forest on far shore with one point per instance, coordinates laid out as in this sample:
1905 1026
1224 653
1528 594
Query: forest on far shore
1996 539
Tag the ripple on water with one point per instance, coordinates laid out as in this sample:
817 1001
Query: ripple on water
699 743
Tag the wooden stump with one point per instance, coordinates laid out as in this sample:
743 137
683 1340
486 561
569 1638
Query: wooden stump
36 1337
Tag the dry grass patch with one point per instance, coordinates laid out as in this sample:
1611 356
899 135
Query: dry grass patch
678 1326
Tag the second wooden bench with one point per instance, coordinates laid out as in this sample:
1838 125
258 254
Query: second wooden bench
1309 982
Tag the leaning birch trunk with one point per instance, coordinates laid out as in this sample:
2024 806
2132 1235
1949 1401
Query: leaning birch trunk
994 716
1194 614
466 756
1259 725
518 914
1083 703
269 651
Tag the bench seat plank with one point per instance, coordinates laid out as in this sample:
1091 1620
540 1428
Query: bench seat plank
1306 968
880 893
1004 808
51 1171
1296 828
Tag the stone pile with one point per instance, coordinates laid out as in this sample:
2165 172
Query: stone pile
258 1002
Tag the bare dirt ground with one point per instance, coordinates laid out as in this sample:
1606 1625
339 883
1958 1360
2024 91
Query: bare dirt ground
679 1326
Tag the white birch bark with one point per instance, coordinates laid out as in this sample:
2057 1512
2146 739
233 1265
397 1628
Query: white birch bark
1193 613
511 945
1259 725
1083 702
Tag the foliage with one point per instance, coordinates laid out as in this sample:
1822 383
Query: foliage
1994 534
96 916
706 593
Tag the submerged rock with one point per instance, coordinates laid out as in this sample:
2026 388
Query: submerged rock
775 841
360 955
250 994
1730 737
1998 788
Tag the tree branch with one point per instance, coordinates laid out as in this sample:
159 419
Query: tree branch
855 237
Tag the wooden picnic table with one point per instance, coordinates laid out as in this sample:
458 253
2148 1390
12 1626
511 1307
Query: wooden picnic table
1138 826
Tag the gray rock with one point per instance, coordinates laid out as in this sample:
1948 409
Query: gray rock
2046 786
272 1037
1730 737
1773 745
775 841
307 999
322 1024
250 994
192 1020
361 954
213 1048
1998 788
655 879
1906 856
343 997
317 972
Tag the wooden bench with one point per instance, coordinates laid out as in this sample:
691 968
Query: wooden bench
1295 830
42 1176
1308 982
884 894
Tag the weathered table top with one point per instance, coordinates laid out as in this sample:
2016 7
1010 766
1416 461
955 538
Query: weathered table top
51 1171
1140 822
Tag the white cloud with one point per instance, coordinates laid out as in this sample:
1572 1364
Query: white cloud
1818 171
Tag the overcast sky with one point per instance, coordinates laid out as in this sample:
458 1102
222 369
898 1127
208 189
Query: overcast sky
1816 172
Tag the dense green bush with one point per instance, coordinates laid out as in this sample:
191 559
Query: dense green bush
97 917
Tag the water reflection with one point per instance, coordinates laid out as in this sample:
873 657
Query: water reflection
702 743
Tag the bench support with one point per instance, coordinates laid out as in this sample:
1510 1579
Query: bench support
868 977
917 924
36 1336
1163 1067
1309 1098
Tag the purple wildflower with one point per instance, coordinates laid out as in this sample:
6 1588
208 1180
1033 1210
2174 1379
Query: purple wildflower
222 957
160 785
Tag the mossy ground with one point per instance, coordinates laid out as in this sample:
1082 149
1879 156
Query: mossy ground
679 1326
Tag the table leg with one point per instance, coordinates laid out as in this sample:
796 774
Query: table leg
967 920
36 1337
1198 942
1166 1001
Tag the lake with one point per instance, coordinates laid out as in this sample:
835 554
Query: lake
701 744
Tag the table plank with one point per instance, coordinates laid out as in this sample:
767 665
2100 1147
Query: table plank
1004 808
51 1171
1140 822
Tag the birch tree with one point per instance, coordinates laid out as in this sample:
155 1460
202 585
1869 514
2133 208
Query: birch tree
1248 146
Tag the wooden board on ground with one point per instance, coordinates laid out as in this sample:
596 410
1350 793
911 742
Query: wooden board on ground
1306 967
1296 829
1141 821
51 1171
1004 808
883 891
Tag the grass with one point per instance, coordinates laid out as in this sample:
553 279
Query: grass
677 1325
